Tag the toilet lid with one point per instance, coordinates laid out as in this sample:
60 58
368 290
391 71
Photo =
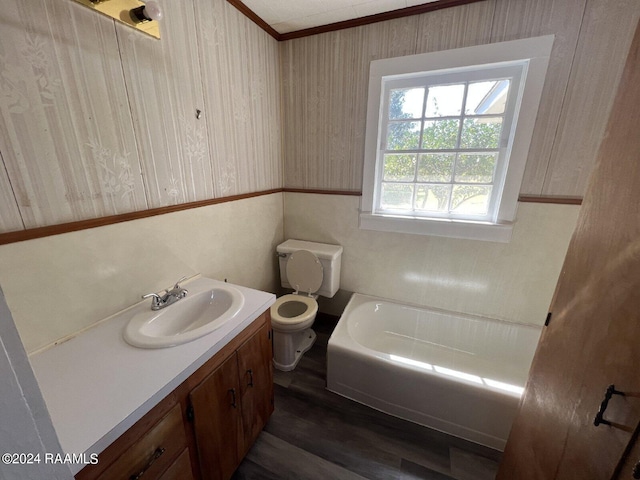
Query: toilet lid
304 271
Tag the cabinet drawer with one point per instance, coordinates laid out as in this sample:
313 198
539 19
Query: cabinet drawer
180 469
153 452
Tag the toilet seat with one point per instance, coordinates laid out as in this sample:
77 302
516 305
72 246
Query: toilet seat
293 312
297 311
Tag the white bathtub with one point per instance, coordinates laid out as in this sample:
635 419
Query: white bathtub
460 374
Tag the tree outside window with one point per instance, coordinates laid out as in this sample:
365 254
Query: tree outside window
436 157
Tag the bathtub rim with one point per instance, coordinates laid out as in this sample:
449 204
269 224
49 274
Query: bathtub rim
342 344
364 297
341 338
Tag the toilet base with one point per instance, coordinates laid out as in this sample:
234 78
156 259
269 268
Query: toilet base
288 348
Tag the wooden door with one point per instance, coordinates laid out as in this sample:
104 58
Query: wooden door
217 421
630 464
593 337
256 384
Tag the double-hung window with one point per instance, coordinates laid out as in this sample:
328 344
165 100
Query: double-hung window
447 138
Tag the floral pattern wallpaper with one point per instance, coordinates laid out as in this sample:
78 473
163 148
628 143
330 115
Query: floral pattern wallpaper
97 119
115 171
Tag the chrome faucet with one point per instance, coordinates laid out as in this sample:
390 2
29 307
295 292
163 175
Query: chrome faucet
168 297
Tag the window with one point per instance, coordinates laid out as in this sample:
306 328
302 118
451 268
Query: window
443 154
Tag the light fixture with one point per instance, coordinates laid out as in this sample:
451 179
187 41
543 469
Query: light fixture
135 13
147 12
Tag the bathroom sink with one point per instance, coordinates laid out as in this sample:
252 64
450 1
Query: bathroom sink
203 310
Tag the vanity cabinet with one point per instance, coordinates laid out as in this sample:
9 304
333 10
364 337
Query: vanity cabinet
255 369
205 427
154 452
231 406
218 426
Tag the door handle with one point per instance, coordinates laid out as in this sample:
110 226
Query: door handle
232 391
250 372
599 419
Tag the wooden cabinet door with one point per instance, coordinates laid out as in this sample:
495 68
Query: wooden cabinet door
180 469
217 421
593 335
256 384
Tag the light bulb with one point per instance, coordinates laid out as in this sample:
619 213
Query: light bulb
152 10
147 12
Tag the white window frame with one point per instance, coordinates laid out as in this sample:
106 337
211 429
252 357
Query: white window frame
532 55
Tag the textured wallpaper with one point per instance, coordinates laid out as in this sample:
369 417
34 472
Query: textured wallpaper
325 81
97 119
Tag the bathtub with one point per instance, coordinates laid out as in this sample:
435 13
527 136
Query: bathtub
460 374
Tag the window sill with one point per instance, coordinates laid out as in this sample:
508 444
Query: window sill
488 232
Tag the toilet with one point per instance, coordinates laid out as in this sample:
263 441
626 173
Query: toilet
310 269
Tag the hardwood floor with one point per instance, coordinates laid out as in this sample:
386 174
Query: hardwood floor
317 435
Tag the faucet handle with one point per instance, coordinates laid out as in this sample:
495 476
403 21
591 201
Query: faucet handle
156 300
154 295
177 285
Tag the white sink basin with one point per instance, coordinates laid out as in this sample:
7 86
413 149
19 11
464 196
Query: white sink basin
204 309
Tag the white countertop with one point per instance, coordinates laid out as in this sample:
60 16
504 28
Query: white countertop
96 386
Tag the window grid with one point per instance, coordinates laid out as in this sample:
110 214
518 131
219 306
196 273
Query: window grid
524 62
458 151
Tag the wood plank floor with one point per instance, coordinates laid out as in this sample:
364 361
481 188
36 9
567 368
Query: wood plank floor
317 435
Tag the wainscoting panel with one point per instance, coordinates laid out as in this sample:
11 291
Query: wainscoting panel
80 278
163 79
241 82
325 84
458 27
66 134
97 119
562 18
605 37
325 151
10 219
509 281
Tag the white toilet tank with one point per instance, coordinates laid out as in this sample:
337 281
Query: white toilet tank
330 257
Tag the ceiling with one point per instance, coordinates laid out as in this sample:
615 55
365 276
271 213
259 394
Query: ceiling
286 16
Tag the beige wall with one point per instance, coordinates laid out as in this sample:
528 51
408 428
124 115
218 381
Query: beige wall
97 119
59 285
510 281
325 80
